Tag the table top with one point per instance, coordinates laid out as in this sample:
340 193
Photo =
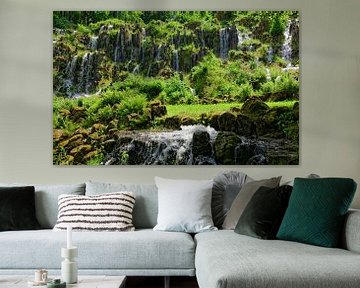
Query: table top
84 281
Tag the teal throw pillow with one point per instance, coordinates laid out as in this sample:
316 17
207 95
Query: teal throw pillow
316 211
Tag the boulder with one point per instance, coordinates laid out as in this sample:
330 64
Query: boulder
201 145
254 106
157 109
227 122
225 145
245 126
173 122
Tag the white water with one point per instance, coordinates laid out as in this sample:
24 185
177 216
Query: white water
224 43
241 38
176 60
93 42
286 50
161 146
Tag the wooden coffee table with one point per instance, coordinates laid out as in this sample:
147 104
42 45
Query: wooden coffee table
83 282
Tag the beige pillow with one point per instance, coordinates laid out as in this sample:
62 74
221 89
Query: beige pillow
243 198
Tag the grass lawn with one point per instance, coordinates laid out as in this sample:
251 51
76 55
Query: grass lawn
194 110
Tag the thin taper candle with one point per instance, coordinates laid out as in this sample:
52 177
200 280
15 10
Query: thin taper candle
69 237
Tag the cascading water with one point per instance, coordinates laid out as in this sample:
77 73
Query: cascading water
86 66
241 36
270 55
93 42
224 43
70 75
176 60
286 50
167 147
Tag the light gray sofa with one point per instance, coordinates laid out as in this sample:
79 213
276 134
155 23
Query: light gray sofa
220 259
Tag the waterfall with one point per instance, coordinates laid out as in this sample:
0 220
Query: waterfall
176 60
93 42
85 77
224 43
286 47
117 46
70 75
270 55
136 69
241 37
167 147
268 75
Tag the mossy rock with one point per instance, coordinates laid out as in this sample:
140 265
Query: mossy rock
82 131
94 136
227 122
254 106
225 145
58 134
245 126
113 124
157 109
97 127
69 160
109 145
76 137
77 113
173 122
188 121
271 124
279 96
213 121
64 143
91 155
79 152
201 145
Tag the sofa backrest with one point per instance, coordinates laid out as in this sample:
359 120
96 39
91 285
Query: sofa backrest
46 200
146 203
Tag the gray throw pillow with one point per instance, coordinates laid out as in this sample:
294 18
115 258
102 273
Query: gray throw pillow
242 199
226 187
184 205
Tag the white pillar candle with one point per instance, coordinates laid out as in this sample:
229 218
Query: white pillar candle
69 237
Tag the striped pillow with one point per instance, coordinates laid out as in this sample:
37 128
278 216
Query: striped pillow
105 212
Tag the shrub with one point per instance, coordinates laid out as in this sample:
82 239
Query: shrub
151 88
132 104
176 91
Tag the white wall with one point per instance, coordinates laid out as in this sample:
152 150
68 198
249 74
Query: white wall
330 91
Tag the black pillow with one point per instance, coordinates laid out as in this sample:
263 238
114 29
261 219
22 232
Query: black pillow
17 208
263 214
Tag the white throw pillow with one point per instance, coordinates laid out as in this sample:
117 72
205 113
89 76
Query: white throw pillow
184 205
105 212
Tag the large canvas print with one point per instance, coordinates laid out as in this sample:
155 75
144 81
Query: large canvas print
176 87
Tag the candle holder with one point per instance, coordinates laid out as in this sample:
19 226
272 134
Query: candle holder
69 265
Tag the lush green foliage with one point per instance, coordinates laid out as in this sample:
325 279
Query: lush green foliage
145 70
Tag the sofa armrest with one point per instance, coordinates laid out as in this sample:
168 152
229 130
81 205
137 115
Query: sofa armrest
351 234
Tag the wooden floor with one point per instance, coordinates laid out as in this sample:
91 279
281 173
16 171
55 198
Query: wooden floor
158 282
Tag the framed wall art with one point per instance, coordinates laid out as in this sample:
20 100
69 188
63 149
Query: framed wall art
176 87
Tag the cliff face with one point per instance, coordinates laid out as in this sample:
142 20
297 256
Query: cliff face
85 59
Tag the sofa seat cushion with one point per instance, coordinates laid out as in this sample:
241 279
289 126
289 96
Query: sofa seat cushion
226 259
142 249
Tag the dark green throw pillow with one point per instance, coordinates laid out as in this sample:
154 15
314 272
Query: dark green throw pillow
263 214
17 208
316 211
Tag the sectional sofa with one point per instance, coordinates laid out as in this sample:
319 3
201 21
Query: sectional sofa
219 259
